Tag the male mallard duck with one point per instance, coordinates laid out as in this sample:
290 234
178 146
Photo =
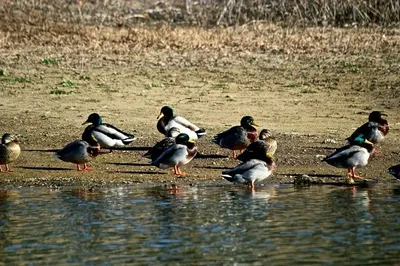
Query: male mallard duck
395 171
167 120
374 130
177 155
237 137
78 152
250 171
265 145
107 135
9 151
356 154
163 144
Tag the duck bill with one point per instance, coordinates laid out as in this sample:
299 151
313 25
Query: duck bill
160 115
86 122
191 141
368 142
254 124
384 115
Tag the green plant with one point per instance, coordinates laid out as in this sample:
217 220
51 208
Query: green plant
48 61
67 83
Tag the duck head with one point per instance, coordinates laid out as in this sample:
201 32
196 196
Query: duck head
265 133
94 119
8 138
376 116
166 111
173 132
248 122
184 139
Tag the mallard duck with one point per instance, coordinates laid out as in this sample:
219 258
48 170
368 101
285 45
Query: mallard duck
9 151
250 171
167 120
257 150
177 155
237 137
356 154
106 135
374 130
163 144
395 171
78 152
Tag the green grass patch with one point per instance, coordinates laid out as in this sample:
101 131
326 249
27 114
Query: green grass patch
293 85
15 79
48 61
221 85
67 83
56 91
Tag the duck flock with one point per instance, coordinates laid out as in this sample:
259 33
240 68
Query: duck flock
179 147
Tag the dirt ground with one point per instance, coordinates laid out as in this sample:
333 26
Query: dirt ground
312 99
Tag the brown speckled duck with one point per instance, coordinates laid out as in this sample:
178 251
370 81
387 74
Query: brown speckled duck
238 137
257 150
9 151
79 152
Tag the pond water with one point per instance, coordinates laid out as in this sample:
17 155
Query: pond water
224 225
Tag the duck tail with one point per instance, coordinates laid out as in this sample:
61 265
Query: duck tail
201 132
57 155
227 177
128 140
147 155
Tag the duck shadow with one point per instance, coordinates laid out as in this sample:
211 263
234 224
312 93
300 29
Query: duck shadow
130 164
139 148
212 167
210 156
39 150
312 175
142 172
46 168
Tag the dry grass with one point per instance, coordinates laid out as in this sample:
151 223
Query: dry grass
204 12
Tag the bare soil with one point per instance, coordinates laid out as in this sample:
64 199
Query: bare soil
312 87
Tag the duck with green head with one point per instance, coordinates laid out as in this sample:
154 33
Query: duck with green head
352 156
107 135
79 152
9 151
238 137
251 171
374 130
163 144
167 120
266 144
177 155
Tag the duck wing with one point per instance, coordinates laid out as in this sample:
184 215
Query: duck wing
170 155
159 148
230 137
244 167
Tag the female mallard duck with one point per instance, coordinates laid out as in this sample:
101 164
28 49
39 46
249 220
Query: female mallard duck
250 171
163 144
374 130
9 151
395 171
167 120
107 135
356 154
177 155
257 150
237 137
78 152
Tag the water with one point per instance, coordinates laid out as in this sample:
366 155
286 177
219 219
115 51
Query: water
278 225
